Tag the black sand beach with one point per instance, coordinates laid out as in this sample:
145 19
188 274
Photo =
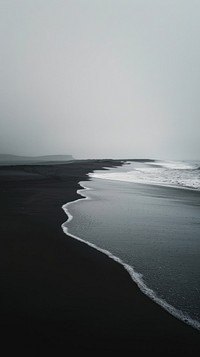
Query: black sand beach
59 295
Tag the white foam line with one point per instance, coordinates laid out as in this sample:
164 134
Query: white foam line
136 277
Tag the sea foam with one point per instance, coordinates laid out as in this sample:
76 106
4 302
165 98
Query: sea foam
164 173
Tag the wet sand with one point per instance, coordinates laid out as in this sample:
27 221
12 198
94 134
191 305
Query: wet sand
60 295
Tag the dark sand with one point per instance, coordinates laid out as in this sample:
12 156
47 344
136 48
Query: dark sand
59 295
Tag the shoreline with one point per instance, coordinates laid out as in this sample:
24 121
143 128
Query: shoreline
135 276
59 294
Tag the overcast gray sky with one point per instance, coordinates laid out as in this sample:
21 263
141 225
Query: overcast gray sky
100 78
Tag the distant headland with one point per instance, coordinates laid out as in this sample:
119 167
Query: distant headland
7 159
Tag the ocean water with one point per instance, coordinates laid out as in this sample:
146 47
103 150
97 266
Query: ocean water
146 216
